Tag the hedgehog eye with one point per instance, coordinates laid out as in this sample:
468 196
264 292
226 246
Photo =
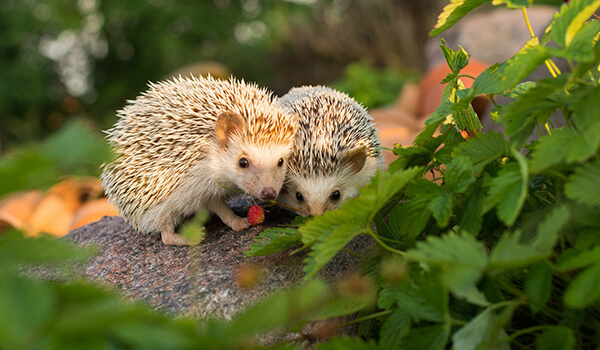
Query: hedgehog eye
335 195
243 163
299 197
280 162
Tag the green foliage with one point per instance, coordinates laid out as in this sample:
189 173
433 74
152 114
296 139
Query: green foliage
74 150
500 250
370 86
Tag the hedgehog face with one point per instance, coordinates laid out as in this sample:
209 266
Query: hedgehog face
258 170
313 195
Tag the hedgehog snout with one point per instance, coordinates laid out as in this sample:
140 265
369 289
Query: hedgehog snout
268 194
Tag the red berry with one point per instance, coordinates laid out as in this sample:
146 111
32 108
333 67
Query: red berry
256 215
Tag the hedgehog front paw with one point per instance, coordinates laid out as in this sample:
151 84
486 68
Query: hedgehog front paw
239 224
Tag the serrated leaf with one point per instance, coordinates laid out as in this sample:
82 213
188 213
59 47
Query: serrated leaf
473 213
483 149
425 299
454 11
441 207
274 240
584 289
570 20
431 337
394 328
459 174
326 247
586 115
450 249
535 105
581 48
556 338
580 260
551 150
584 185
330 232
462 258
508 193
501 78
538 284
409 218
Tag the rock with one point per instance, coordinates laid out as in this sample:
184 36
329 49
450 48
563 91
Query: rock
200 281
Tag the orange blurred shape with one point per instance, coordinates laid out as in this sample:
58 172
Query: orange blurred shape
71 203
431 87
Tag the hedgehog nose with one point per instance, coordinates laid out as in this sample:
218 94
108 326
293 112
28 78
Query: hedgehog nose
268 193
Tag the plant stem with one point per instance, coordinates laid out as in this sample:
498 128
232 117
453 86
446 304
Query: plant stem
353 253
368 317
385 246
525 331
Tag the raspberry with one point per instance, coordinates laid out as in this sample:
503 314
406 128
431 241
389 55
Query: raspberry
256 215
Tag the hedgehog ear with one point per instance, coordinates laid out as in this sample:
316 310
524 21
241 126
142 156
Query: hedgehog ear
355 158
228 123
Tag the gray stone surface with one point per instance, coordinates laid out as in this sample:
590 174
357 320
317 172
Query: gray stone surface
199 281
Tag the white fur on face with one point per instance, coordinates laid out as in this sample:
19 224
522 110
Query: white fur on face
264 168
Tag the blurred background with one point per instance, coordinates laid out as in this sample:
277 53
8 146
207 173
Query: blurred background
66 66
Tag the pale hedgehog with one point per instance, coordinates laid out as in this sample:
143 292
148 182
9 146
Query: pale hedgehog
337 149
184 142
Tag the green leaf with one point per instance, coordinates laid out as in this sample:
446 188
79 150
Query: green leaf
283 308
456 60
500 78
556 338
510 252
538 285
454 11
473 214
450 249
332 231
274 240
328 245
571 19
462 259
581 48
513 4
535 105
459 174
483 149
580 260
431 337
588 123
481 332
584 289
26 306
506 191
441 207
552 150
394 328
425 299
408 219
584 185
15 249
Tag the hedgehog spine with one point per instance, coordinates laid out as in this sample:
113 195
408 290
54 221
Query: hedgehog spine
181 141
337 149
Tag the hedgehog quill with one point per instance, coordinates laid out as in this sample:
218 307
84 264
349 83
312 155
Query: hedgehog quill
179 140
337 149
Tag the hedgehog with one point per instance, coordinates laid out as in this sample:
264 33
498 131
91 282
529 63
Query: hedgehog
184 144
337 150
